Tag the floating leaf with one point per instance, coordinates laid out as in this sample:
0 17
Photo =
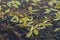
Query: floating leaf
57 15
21 15
29 34
15 19
20 21
57 29
57 5
52 2
16 6
47 10
17 2
35 1
29 8
25 19
53 9
26 24
36 32
31 18
27 0
9 4
34 4
4 6
35 10
41 28
43 25
7 10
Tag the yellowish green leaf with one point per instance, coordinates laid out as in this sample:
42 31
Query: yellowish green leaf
47 10
29 34
15 19
17 2
35 1
27 0
57 15
57 5
16 6
7 10
57 29
36 32
29 8
9 4
21 15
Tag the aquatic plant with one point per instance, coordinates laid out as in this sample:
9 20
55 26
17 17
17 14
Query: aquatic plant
34 15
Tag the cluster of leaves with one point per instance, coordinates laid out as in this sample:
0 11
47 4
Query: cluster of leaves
25 19
14 4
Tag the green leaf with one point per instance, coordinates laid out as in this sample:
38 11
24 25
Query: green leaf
30 19
57 15
15 19
36 32
24 19
9 4
7 10
30 8
4 6
35 10
35 1
50 3
20 21
17 2
29 34
34 4
53 9
43 25
57 5
16 6
25 24
47 11
21 15
57 29
27 0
